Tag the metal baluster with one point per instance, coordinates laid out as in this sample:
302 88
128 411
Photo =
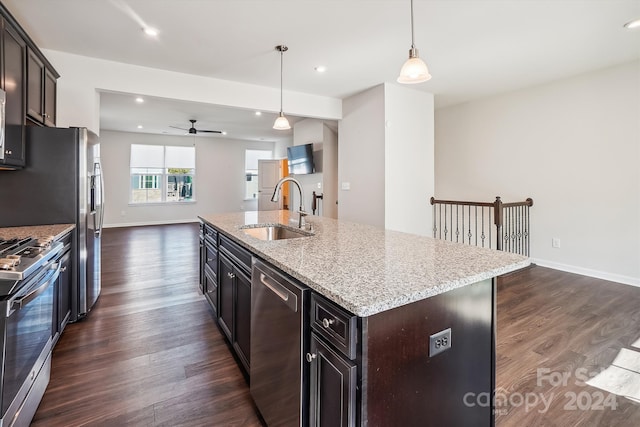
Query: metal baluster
482 213
476 228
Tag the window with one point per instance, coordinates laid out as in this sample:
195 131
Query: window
251 158
162 174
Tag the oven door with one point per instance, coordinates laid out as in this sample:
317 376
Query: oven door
28 326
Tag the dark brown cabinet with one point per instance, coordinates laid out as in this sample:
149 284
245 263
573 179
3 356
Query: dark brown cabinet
225 302
209 265
49 102
210 286
41 91
332 398
242 319
201 259
30 85
64 291
64 284
234 309
13 83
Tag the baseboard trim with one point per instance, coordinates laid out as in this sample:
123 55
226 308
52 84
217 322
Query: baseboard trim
618 278
143 223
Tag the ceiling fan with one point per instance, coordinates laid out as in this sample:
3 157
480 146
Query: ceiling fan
193 131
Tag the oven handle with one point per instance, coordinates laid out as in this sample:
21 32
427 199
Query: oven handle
20 303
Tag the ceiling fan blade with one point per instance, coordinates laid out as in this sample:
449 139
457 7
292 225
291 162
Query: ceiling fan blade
209 131
176 127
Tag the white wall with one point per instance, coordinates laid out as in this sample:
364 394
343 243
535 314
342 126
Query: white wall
574 147
386 144
305 132
328 205
219 182
361 151
409 158
78 101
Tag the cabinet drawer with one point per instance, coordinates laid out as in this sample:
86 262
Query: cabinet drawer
211 257
210 234
211 289
335 324
240 256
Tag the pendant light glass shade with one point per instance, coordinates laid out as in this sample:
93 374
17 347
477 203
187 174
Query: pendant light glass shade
414 69
281 122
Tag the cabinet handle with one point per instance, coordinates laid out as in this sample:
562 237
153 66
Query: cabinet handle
327 322
231 275
311 356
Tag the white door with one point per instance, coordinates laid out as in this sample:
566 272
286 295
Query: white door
268 177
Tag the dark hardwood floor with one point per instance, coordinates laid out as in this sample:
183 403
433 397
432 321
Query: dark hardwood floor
149 354
556 331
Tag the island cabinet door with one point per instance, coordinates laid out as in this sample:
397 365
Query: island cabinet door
333 387
225 298
242 324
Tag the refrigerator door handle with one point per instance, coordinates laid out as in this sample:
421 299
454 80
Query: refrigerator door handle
97 198
92 195
99 168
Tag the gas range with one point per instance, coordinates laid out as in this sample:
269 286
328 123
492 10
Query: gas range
20 258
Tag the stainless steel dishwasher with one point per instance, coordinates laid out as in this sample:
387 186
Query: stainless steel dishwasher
279 341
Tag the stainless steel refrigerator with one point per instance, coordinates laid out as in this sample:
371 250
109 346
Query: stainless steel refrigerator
61 183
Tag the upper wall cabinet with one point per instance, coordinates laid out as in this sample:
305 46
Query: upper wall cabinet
41 91
29 82
12 71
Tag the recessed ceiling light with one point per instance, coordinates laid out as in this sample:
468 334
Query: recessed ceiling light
150 31
258 113
320 68
632 24
139 126
139 100
224 132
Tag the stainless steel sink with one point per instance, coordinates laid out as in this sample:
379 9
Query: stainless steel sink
274 232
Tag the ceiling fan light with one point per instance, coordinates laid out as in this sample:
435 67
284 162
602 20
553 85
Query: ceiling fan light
281 122
414 69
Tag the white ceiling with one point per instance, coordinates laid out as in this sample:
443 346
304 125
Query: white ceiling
473 48
121 112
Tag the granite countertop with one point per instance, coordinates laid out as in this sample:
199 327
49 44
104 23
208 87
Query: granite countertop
38 231
366 269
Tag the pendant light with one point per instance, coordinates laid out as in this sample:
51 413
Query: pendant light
281 122
414 70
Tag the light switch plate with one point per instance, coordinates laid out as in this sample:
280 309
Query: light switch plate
439 342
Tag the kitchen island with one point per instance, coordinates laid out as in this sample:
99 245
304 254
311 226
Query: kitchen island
406 323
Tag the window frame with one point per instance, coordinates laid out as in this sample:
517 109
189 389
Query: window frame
160 178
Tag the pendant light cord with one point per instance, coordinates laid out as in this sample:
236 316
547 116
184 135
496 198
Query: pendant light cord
412 32
281 56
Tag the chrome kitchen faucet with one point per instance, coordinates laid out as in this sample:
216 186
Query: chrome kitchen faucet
276 197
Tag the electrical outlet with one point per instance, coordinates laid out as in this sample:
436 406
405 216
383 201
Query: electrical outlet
439 342
319 185
346 186
555 243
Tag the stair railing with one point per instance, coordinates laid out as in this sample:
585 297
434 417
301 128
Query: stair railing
475 223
